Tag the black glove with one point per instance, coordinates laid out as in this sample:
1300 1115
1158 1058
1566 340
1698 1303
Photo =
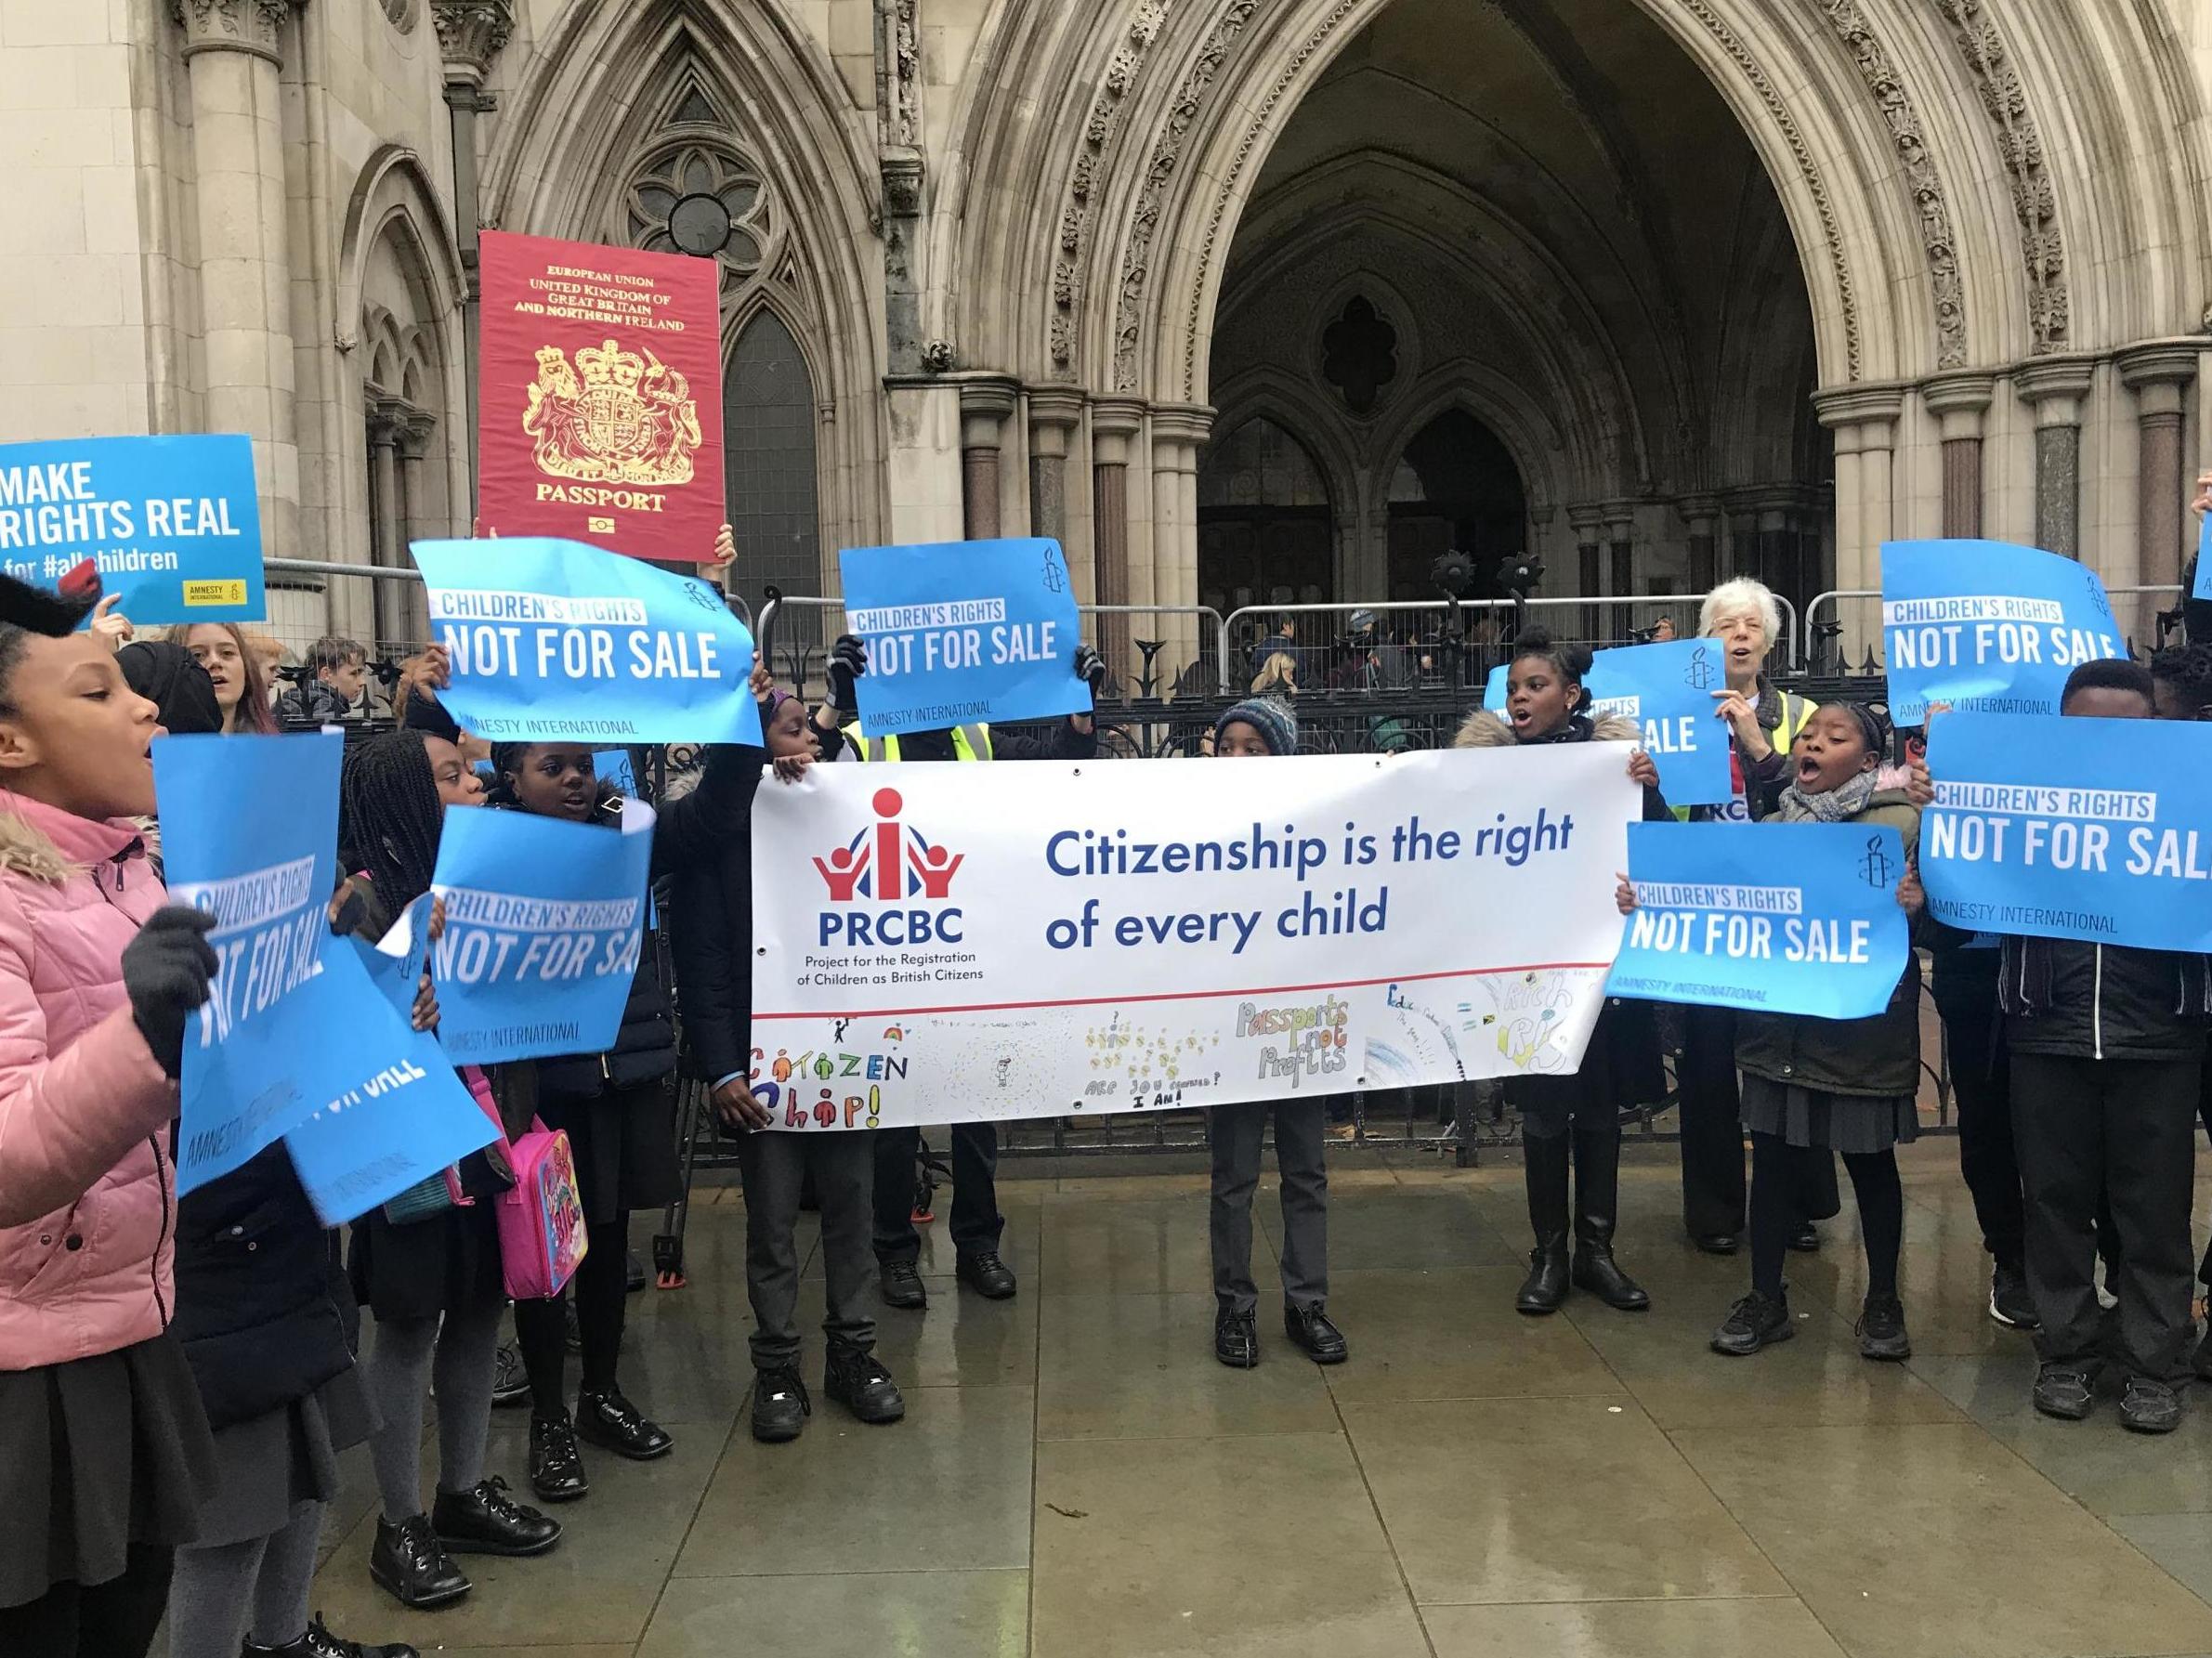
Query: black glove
849 661
1091 667
166 971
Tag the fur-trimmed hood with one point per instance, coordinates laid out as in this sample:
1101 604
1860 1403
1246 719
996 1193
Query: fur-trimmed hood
1482 730
48 847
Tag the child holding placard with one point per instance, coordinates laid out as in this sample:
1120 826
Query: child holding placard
1816 1086
1544 704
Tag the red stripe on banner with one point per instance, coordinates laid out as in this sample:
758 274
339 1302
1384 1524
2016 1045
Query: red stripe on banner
1100 1001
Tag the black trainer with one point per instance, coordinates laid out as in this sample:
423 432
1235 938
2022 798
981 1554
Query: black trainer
486 1520
780 1407
2150 1406
555 1464
985 1273
409 1562
2065 1392
2010 1302
318 1642
1755 1322
858 1381
1881 1330
903 1286
510 1381
1237 1340
611 1422
1310 1332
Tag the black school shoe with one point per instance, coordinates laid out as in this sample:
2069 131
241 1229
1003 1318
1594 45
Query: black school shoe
1237 1340
902 1285
409 1562
318 1642
486 1520
985 1273
2150 1406
1312 1334
555 1464
1755 1322
780 1405
2065 1392
612 1423
858 1381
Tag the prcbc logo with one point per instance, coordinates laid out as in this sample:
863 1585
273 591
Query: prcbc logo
891 864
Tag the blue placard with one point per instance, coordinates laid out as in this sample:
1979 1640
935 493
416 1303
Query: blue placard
389 1112
267 877
398 961
2095 830
553 641
964 632
1774 918
1667 689
2203 590
543 923
1988 627
613 768
173 523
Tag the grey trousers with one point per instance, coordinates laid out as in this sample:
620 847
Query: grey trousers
1300 1136
774 1164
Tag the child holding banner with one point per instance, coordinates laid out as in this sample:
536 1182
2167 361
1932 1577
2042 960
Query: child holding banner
1544 695
2108 1050
1812 1087
432 1283
710 912
104 1447
1262 727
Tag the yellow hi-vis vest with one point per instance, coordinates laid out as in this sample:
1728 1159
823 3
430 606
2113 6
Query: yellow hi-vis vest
969 742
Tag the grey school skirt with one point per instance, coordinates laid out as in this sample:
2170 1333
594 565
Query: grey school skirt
1853 1124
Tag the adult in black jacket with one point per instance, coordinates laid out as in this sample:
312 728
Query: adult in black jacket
711 915
1544 695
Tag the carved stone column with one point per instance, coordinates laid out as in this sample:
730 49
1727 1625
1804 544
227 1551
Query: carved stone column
388 529
984 404
1701 516
2054 388
1114 422
470 34
232 51
402 614
1055 412
1179 431
1864 422
1587 523
1960 402
2159 376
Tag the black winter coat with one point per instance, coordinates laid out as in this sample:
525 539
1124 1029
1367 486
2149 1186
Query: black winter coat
710 913
2102 1001
264 1313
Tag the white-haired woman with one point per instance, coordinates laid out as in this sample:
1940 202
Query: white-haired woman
1745 617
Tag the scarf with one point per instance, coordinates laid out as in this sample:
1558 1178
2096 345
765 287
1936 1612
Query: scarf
1577 730
1838 804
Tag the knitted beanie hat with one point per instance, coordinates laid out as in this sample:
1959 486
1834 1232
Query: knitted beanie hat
1275 721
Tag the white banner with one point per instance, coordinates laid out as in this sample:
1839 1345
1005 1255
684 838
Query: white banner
940 943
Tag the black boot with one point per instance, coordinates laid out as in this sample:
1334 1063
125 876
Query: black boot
319 1642
611 1422
856 1379
555 1464
410 1563
486 1520
1597 1200
1545 1161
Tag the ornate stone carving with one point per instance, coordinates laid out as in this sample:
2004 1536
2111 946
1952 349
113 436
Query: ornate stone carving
1167 154
1938 242
254 26
2042 246
470 34
1144 20
404 14
902 186
937 356
898 73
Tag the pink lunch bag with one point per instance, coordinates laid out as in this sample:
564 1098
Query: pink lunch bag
541 1234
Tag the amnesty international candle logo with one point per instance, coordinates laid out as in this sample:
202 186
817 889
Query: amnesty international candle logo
611 418
601 405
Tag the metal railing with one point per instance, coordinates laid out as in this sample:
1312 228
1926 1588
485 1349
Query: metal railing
1811 649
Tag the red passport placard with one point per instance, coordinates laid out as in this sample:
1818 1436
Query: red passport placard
599 408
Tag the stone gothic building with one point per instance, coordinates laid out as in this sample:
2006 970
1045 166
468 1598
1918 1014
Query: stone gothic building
1247 300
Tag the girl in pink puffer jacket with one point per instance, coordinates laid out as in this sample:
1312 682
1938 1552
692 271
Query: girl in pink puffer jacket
102 1441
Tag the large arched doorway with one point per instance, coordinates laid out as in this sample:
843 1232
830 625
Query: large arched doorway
1525 264
1265 531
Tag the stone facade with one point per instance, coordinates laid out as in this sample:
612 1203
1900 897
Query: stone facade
1247 300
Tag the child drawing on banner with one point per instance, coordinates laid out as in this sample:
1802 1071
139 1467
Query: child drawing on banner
1263 728
1816 1086
794 1125
1570 1120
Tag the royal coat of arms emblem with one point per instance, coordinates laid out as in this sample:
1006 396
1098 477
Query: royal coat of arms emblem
615 417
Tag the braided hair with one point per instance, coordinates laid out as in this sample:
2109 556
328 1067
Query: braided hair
389 816
28 612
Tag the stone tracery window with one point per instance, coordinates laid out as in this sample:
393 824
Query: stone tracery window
699 199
